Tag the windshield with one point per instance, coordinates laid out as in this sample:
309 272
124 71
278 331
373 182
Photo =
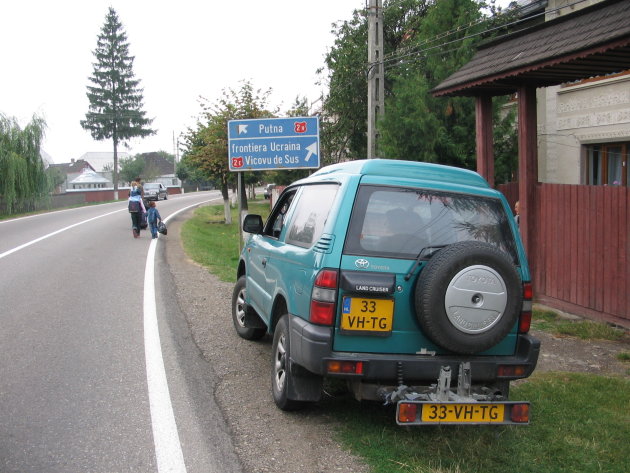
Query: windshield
401 222
152 186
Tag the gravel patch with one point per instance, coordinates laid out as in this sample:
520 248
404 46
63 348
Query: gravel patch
573 354
267 439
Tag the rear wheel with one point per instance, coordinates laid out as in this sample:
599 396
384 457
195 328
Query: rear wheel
238 313
281 376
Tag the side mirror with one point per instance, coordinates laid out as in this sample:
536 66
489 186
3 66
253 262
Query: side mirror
253 223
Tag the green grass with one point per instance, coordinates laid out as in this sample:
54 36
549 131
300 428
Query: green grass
623 356
580 422
213 244
550 321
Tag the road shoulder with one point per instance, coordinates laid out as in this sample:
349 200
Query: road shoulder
266 438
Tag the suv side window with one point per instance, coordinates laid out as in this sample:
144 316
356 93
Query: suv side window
277 219
311 214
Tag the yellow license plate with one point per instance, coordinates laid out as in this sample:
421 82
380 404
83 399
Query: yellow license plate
462 413
367 315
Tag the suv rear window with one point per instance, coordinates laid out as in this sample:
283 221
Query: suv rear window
401 222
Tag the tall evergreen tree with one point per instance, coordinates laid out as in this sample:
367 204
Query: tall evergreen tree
115 97
418 126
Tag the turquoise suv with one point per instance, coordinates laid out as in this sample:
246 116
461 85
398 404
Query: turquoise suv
406 279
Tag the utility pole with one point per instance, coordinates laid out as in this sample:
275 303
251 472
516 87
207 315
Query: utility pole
376 74
174 156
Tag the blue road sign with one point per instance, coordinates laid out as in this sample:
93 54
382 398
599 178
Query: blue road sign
273 143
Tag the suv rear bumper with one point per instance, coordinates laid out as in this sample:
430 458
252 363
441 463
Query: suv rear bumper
311 347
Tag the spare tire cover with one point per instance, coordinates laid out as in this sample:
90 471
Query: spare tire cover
468 297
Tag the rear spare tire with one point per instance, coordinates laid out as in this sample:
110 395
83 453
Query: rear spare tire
468 297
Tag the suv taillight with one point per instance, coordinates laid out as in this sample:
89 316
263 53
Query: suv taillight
526 312
324 297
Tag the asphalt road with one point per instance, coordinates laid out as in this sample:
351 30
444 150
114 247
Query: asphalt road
98 371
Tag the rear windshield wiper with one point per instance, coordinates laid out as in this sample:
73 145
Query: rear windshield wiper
425 253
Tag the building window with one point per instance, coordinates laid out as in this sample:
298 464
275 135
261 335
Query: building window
607 164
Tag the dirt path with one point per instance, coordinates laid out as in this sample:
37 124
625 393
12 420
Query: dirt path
267 439
572 354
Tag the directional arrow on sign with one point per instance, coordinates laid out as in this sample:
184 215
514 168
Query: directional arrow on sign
312 149
242 129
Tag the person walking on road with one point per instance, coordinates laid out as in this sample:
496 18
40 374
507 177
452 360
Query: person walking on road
153 216
136 208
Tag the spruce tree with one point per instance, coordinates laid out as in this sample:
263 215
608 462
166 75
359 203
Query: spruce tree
115 97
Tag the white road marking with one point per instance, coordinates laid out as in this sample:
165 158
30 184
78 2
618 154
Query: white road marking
168 449
32 242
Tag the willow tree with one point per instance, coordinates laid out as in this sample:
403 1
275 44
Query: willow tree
115 95
23 180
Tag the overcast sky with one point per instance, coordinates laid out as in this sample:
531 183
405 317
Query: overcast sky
183 49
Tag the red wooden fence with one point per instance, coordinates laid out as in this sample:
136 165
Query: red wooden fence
580 256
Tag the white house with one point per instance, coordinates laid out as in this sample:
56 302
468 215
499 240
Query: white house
89 179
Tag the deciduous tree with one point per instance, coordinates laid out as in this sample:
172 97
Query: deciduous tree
23 180
206 146
130 168
424 41
344 115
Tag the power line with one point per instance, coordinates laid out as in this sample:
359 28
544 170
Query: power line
396 56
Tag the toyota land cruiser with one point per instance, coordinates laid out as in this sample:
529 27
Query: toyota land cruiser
408 280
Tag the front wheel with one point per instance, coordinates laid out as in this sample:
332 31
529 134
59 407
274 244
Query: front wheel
238 313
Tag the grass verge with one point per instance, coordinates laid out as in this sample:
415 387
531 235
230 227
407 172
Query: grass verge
580 422
550 321
213 244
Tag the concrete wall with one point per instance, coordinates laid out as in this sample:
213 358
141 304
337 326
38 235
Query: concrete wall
80 197
570 116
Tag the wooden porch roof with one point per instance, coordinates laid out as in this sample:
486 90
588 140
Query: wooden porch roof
591 42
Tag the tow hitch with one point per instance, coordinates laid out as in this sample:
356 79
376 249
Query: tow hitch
440 405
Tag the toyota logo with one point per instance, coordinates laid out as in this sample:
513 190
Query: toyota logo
362 263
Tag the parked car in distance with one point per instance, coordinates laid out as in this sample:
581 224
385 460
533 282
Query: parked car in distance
268 190
401 278
155 191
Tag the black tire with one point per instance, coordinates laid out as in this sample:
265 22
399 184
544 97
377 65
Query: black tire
468 297
238 313
281 376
